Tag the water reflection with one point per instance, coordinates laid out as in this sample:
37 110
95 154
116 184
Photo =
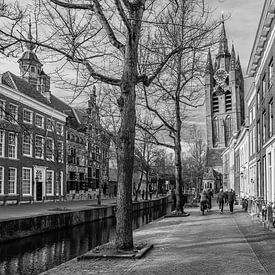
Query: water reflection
39 253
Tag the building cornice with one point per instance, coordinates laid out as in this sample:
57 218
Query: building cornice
31 102
263 31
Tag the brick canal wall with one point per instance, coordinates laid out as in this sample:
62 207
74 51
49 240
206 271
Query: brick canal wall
25 227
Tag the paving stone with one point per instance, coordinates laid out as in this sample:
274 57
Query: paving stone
211 244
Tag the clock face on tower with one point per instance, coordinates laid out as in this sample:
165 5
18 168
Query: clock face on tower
220 75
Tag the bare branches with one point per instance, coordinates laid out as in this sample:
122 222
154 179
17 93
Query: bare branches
104 22
73 6
123 15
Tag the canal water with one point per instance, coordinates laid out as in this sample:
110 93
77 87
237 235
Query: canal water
39 253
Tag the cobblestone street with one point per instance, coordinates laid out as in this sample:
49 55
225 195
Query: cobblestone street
211 244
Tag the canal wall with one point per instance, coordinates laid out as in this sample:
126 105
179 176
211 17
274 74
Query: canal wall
24 227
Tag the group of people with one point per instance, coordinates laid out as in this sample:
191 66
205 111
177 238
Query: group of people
227 197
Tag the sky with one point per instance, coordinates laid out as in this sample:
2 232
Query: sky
240 28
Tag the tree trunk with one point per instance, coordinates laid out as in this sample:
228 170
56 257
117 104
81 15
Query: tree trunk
178 165
139 184
126 135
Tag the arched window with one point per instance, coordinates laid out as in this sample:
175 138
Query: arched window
227 129
216 134
228 101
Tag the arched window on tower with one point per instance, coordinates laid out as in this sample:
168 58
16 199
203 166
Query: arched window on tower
215 103
227 129
228 101
216 133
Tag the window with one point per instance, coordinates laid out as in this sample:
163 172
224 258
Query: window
59 129
60 151
2 109
228 129
270 73
12 181
215 130
2 143
12 145
264 127
13 113
27 148
258 136
258 99
1 180
270 118
264 86
215 104
26 181
39 147
49 182
49 149
50 124
39 121
228 101
27 116
32 69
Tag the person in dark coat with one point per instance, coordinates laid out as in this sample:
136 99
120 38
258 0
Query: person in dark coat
231 200
209 199
226 196
220 200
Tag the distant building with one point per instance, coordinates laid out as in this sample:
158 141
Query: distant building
224 101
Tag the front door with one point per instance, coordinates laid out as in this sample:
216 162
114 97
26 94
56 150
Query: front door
39 191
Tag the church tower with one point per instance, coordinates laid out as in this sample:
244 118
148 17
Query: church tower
31 68
224 99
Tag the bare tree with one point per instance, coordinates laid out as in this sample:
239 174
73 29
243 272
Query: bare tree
105 38
179 87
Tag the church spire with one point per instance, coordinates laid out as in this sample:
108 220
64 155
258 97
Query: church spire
30 45
223 45
233 59
209 64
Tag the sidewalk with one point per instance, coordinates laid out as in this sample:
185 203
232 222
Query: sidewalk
39 208
211 244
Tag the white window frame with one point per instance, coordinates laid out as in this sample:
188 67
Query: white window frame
15 146
31 116
52 149
42 149
15 180
2 180
43 121
52 183
13 119
29 180
2 109
61 157
2 144
49 126
30 144
61 132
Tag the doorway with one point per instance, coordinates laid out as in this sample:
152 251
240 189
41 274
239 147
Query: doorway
39 191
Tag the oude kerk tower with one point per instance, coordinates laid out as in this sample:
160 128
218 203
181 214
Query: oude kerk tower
224 102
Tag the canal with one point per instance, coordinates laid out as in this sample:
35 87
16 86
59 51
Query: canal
42 252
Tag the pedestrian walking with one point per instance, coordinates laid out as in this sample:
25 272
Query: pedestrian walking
226 196
203 201
220 200
209 198
231 200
